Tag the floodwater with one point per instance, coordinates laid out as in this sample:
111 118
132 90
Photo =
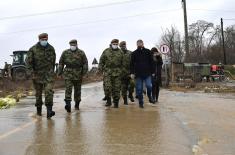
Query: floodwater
180 124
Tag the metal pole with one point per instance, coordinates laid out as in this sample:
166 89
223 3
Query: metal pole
186 30
222 32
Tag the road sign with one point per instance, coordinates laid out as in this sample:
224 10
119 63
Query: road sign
166 61
164 49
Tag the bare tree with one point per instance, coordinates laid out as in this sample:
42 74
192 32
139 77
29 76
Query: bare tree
173 39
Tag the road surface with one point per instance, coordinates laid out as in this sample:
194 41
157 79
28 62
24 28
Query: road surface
181 124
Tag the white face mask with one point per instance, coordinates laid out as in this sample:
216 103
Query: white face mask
73 48
114 46
43 43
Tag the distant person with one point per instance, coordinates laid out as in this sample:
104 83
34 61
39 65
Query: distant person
76 66
157 80
5 70
111 64
142 69
56 68
41 63
127 82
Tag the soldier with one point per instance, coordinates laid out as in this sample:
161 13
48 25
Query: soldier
76 67
111 64
41 63
127 82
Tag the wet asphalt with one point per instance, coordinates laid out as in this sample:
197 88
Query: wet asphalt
180 124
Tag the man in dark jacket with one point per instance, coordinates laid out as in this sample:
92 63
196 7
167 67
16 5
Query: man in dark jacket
142 68
156 81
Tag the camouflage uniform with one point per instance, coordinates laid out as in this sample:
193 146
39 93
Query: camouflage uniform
76 67
41 63
111 64
127 83
105 76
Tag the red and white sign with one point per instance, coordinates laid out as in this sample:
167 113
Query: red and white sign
164 49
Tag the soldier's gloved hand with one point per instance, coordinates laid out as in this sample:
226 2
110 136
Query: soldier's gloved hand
132 76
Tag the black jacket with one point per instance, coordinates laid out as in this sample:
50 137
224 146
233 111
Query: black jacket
158 67
142 64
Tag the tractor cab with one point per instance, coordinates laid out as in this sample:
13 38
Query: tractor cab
18 70
19 58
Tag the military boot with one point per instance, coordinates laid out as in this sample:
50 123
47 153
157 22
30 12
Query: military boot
50 113
77 105
109 102
131 98
105 98
115 104
39 110
68 106
125 100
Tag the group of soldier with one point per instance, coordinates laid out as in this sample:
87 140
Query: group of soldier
123 70
40 62
118 66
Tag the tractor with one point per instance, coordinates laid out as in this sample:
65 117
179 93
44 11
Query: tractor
18 69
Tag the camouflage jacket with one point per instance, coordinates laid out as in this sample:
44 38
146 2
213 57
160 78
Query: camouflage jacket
40 61
126 62
111 62
76 64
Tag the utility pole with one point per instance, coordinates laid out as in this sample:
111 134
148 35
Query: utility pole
222 32
186 30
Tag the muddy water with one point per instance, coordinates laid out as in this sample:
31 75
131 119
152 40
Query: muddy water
182 123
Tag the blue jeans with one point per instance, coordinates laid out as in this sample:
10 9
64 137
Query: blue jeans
139 87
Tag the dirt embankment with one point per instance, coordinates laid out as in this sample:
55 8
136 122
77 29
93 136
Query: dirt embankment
19 89
207 87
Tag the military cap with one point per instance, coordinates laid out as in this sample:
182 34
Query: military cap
115 41
43 36
139 41
122 43
73 42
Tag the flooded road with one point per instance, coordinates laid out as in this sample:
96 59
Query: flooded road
181 124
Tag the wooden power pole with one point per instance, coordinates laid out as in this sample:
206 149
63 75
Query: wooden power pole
186 30
222 33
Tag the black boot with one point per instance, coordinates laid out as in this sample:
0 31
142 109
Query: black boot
151 100
109 102
131 98
125 100
50 113
105 98
115 104
68 106
39 110
77 105
141 105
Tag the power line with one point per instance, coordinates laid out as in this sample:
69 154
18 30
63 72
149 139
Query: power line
93 22
216 10
230 19
69 10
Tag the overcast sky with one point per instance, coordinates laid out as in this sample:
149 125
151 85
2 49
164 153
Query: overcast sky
95 23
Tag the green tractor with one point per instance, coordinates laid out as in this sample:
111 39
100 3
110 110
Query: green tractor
18 70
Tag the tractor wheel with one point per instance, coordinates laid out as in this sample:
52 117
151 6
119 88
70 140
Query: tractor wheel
19 74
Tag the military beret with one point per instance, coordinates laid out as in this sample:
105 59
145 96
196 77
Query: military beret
115 41
43 35
74 41
122 43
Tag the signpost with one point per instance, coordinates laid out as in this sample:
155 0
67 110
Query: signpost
164 49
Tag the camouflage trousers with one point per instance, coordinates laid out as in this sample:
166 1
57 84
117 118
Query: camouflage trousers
105 88
69 84
128 86
113 87
48 90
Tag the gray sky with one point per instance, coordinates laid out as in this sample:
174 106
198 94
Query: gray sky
94 26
